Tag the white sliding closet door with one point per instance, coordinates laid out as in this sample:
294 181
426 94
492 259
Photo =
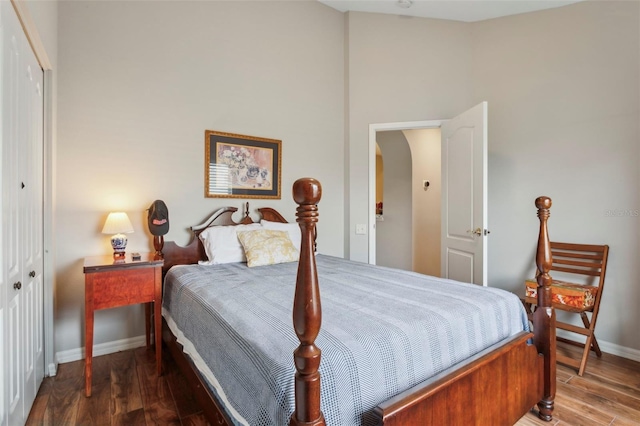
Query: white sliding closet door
11 89
21 264
32 257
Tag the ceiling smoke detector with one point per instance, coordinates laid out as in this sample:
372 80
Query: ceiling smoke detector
405 4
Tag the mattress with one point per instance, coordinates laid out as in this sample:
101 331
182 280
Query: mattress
383 331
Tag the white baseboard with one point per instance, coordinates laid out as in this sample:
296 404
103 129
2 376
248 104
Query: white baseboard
610 348
102 349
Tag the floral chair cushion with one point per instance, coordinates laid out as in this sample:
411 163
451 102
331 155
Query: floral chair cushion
578 296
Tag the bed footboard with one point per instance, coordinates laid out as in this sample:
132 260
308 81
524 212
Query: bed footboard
494 387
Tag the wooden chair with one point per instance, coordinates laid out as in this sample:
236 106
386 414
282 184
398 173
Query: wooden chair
588 263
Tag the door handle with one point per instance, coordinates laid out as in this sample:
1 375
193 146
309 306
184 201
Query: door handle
17 286
476 231
32 274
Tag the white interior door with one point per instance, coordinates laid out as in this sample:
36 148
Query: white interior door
33 257
22 221
12 218
464 197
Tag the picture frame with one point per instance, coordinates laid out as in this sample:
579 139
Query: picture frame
241 166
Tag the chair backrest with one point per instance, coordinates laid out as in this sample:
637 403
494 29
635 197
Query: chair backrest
587 260
581 259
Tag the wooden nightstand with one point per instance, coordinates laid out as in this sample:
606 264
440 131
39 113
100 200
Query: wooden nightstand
110 283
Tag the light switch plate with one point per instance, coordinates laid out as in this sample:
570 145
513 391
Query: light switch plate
361 229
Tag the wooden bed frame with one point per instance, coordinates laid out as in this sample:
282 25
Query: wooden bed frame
497 386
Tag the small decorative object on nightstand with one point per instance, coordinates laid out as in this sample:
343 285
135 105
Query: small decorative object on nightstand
110 283
118 224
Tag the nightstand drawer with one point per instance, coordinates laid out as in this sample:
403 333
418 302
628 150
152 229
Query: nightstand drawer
124 287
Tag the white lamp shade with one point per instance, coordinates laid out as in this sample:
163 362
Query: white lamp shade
117 223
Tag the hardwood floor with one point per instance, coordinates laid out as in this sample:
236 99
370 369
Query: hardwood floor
127 391
607 394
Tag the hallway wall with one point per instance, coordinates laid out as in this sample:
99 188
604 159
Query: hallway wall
426 160
394 237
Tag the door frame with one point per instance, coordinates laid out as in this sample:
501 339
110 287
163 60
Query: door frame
33 36
371 205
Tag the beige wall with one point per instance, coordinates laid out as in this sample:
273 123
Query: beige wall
426 160
563 93
399 69
139 84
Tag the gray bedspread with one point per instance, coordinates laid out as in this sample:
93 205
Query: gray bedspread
383 331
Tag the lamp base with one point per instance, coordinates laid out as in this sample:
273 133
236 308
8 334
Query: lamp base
119 244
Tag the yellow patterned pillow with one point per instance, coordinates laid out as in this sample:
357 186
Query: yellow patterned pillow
267 247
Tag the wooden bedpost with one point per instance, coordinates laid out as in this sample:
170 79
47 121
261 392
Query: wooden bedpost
307 312
544 318
158 244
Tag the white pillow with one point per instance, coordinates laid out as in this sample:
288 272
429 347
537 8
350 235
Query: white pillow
292 228
267 247
222 245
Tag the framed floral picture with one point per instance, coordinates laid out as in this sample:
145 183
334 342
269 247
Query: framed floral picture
239 166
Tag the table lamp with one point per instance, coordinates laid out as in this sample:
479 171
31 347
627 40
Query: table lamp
118 224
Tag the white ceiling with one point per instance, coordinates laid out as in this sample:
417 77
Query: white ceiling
457 10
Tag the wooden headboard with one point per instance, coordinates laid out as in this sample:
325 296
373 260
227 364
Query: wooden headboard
193 252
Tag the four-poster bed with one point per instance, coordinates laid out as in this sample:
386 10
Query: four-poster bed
495 385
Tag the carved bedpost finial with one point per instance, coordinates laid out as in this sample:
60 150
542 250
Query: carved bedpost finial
246 219
544 319
307 311
307 191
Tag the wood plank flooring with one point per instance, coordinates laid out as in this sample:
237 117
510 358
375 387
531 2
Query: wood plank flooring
127 391
607 394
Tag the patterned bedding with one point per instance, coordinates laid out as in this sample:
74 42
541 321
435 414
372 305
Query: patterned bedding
383 331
